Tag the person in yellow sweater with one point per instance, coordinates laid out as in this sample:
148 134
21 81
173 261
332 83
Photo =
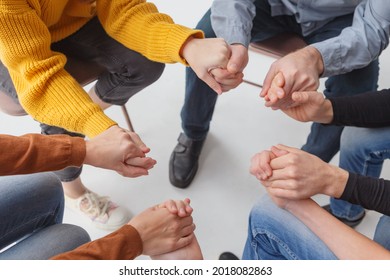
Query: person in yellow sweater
129 38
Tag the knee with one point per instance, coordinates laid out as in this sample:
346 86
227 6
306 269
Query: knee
145 74
264 215
49 186
354 141
152 71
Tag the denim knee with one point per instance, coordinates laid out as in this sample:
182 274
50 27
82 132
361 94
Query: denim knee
363 150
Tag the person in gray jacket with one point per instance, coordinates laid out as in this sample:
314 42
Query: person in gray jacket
344 41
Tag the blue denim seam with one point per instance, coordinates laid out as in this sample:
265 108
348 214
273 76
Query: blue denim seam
255 232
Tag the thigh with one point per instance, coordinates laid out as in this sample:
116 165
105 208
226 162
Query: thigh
277 234
28 202
57 238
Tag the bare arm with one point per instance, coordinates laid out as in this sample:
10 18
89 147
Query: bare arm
343 241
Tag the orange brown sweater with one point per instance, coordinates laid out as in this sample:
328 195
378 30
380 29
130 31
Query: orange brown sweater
46 91
37 153
123 244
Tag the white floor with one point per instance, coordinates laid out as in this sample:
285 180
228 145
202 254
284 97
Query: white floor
223 191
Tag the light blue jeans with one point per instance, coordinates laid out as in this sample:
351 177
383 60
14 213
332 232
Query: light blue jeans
276 234
31 210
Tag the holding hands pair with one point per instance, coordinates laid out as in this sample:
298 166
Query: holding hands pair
215 62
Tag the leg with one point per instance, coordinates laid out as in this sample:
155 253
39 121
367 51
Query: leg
200 99
382 230
28 203
362 151
275 234
324 141
196 116
127 73
47 242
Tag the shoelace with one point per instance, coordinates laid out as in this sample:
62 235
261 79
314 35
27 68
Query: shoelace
97 205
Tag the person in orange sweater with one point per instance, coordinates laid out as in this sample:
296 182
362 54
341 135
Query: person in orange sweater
32 206
130 39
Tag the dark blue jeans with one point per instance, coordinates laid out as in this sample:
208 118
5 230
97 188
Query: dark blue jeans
127 73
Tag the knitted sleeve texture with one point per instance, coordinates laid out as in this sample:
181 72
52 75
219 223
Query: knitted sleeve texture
49 93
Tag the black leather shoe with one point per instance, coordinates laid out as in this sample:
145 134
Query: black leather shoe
352 224
183 163
225 256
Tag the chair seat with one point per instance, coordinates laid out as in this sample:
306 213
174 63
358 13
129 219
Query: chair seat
279 45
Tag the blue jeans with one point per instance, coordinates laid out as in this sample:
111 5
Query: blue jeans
31 210
276 234
363 151
127 73
323 141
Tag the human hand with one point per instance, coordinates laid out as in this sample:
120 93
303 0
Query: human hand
299 175
181 208
161 231
189 252
204 55
310 106
120 150
301 71
232 76
261 165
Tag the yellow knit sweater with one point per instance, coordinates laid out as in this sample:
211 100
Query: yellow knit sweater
46 91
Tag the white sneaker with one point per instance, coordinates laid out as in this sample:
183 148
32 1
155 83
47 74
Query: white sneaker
103 213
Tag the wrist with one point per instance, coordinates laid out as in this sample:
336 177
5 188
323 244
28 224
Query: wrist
336 182
326 112
186 48
316 57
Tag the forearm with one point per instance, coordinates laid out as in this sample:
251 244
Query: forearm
33 153
139 26
360 43
123 244
45 90
371 193
343 241
369 109
60 101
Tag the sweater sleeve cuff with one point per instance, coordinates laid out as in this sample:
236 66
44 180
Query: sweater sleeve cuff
78 151
180 35
349 187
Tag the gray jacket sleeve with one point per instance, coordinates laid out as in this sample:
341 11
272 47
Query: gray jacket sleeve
359 44
232 20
